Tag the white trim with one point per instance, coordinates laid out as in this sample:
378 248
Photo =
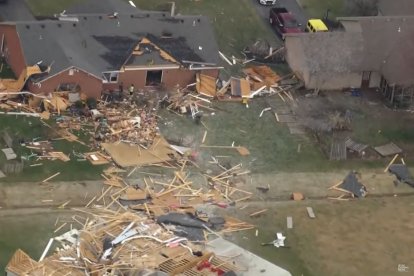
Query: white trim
191 68
151 68
105 80
71 67
2 44
195 62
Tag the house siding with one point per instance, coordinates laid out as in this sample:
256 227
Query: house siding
135 77
170 77
12 48
334 81
296 58
89 84
375 80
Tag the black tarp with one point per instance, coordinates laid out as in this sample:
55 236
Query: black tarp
402 173
352 185
182 219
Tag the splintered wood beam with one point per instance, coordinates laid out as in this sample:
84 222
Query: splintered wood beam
50 177
392 162
258 213
204 137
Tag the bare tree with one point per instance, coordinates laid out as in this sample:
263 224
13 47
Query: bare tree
362 7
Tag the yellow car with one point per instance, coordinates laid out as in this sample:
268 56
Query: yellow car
316 25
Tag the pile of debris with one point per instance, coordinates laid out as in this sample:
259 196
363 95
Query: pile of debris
183 101
258 81
113 243
153 226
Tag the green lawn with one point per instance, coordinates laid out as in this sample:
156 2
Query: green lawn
317 8
29 128
49 7
29 232
272 148
236 22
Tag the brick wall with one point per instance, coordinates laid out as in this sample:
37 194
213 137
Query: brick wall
89 84
12 48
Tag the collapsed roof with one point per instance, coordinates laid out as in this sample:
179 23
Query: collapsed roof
96 43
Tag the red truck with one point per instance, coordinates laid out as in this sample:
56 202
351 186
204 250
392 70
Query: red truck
284 22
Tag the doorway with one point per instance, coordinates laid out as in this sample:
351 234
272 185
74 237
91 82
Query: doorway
366 76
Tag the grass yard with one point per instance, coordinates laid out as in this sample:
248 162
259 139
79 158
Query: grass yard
272 148
29 232
49 7
317 8
361 237
28 128
236 22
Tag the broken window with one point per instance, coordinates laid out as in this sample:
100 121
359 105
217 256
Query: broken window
71 87
153 78
111 77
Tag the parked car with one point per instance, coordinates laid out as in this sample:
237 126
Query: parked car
284 22
267 2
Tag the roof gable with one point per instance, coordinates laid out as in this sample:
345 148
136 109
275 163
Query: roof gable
98 43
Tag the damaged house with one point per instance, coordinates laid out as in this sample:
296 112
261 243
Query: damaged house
94 52
371 52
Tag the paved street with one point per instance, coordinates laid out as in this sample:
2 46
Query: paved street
15 10
290 5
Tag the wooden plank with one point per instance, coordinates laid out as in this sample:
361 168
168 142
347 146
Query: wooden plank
204 137
388 149
311 214
50 177
391 162
258 213
289 222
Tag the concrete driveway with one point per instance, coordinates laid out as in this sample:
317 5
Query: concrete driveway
290 5
15 10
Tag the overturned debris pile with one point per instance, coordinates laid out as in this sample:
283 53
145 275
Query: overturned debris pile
112 243
402 173
258 81
350 186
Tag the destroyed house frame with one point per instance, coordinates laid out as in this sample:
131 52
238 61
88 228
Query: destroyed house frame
96 45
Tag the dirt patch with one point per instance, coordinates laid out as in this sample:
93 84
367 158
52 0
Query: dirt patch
27 194
346 238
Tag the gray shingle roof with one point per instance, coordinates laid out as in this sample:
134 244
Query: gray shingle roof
331 51
98 43
380 43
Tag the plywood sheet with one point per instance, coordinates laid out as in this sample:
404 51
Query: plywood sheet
388 149
206 85
126 155
240 88
96 158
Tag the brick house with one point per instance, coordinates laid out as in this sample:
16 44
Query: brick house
96 52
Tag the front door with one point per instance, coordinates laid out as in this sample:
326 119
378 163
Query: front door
366 76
